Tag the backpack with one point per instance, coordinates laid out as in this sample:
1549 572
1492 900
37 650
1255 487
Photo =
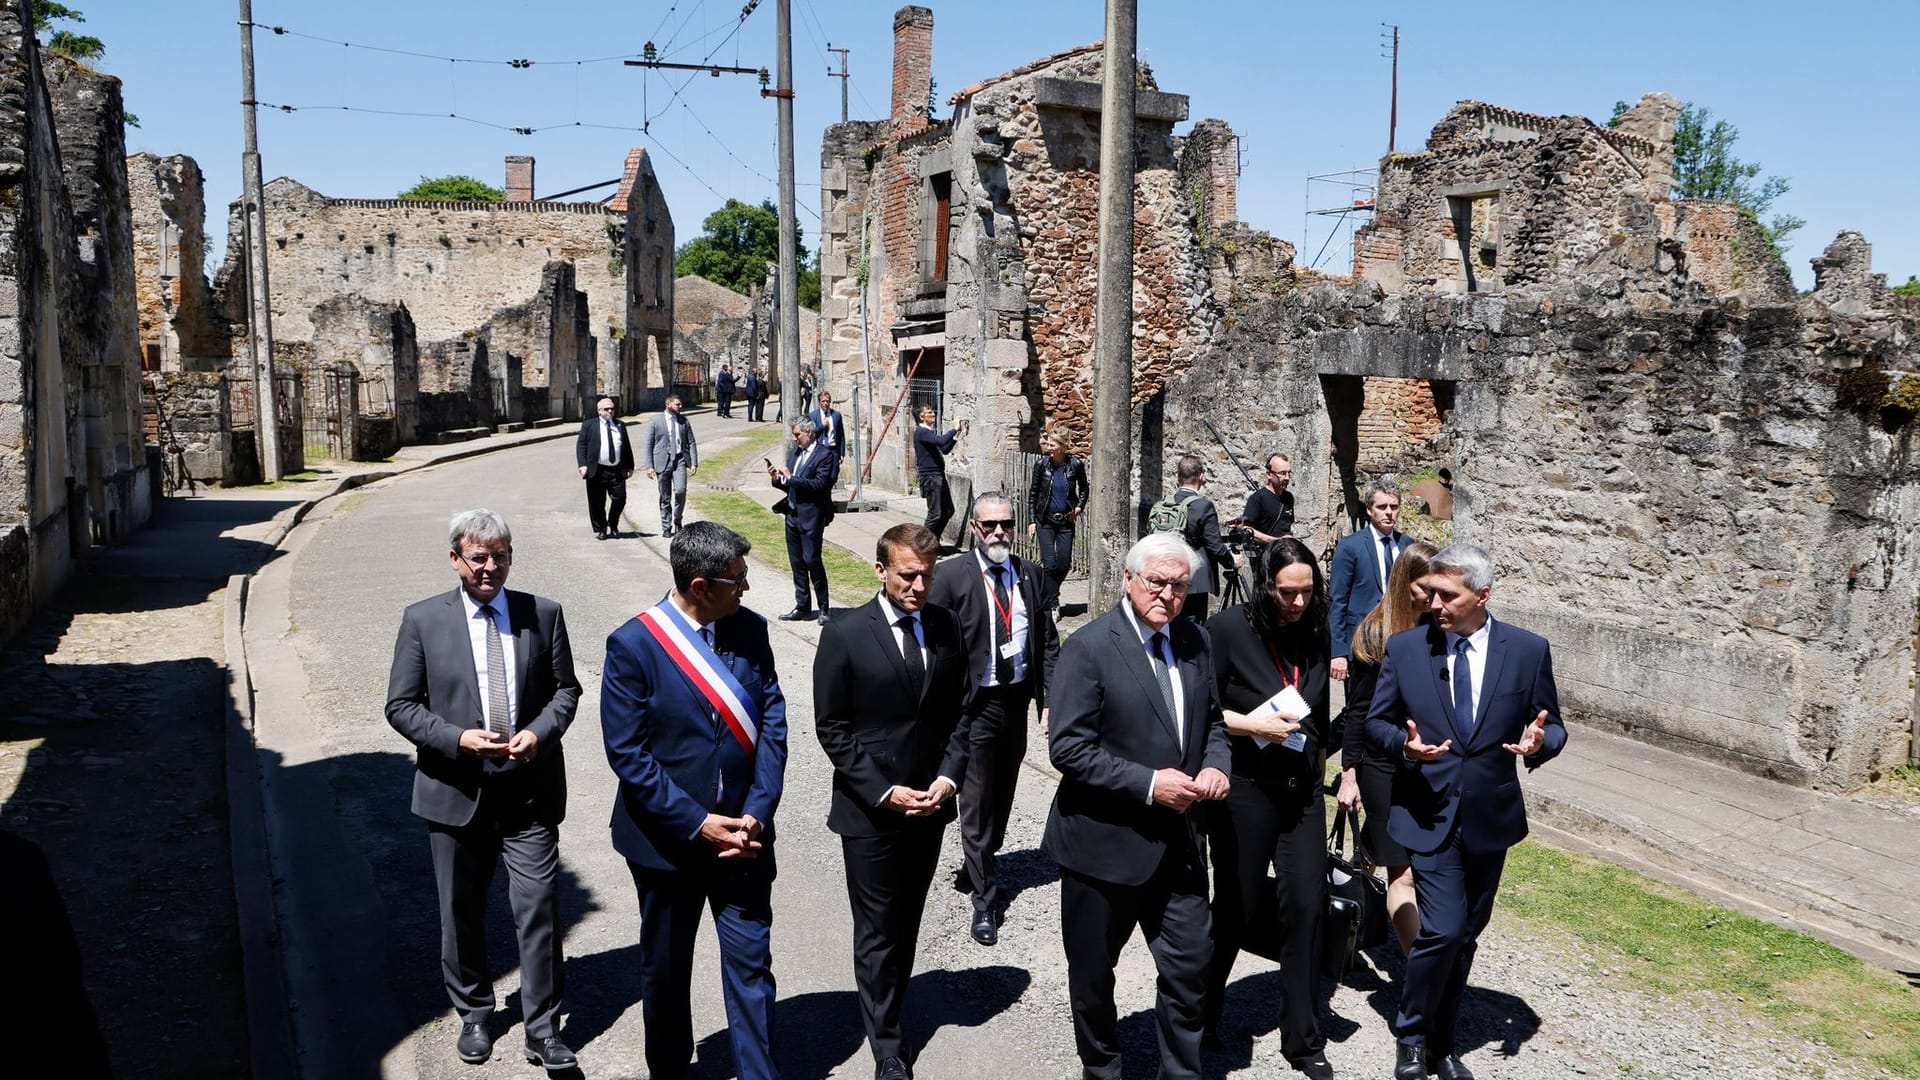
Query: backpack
1170 514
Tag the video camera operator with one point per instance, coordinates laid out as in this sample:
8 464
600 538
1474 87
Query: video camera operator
1269 512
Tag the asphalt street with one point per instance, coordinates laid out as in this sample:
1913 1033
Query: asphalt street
357 888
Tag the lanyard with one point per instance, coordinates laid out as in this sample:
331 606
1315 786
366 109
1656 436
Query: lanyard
1005 612
1290 674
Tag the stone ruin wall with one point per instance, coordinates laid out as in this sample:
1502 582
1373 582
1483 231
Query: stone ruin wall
644 355
178 322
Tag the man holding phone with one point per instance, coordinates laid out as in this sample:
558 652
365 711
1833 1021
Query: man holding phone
808 481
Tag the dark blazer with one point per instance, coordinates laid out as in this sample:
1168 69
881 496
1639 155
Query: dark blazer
586 448
1475 785
723 383
809 501
1203 535
1355 586
433 695
1040 486
876 733
1245 671
756 386
838 427
958 586
1109 732
676 760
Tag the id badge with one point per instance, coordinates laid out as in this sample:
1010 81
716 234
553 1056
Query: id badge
1010 651
1295 741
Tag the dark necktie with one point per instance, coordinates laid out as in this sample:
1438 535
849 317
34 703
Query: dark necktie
706 635
910 650
1386 566
1002 628
1156 651
611 455
498 721
1462 689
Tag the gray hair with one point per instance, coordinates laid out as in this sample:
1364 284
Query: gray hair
1470 561
806 425
1381 487
483 525
989 497
1160 545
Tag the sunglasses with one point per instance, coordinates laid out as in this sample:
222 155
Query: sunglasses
990 524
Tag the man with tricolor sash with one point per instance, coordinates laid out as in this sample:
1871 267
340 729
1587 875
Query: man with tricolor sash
696 731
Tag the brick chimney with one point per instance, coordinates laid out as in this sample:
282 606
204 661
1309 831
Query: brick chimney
912 67
519 179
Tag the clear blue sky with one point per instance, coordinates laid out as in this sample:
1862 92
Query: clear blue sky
1822 94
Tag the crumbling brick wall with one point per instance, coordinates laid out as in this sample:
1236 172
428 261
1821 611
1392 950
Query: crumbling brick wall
179 324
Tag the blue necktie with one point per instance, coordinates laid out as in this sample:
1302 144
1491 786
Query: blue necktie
1386 565
1462 689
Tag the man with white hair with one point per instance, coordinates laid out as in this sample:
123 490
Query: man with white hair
1137 732
1460 703
1011 648
483 686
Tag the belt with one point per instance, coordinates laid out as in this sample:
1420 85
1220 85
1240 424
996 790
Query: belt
1063 518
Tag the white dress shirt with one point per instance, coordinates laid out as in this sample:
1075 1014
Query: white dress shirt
894 615
609 442
1375 537
477 638
1173 675
1476 665
1020 623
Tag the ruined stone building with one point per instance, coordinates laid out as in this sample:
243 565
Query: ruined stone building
73 465
713 325
966 248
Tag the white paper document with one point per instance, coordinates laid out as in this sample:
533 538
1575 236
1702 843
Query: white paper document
1287 701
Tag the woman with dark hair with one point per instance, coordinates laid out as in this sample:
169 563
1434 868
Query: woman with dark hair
1366 776
1274 815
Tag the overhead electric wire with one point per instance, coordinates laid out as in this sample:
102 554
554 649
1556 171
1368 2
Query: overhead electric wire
281 31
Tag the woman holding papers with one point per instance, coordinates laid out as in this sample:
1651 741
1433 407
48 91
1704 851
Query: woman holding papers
1366 777
1270 656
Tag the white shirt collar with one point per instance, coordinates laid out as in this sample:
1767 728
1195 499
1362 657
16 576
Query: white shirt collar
1478 639
674 599
499 602
893 614
1142 629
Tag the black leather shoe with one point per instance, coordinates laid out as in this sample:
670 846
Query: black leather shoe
986 929
1411 1063
475 1045
797 615
550 1053
1316 1067
892 1069
1448 1067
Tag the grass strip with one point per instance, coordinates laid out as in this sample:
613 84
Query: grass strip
849 577
753 442
1670 942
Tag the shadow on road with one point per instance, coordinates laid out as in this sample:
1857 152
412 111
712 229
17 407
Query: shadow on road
819 1031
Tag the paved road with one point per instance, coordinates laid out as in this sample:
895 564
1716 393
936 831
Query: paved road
363 931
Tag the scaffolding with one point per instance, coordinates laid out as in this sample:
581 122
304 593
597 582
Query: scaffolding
1347 198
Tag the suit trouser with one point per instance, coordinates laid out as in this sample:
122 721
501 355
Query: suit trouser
809 569
726 404
997 725
1455 891
740 895
1056 558
1268 823
1096 919
673 495
606 497
502 829
888 877
933 488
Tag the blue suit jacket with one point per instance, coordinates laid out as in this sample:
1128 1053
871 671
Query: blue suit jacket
838 426
1356 586
676 760
1475 786
809 501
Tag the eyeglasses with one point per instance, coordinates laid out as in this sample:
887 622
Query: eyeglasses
1157 585
738 583
486 559
992 524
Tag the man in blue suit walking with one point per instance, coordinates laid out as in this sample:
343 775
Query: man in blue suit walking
808 481
1459 703
1361 563
696 730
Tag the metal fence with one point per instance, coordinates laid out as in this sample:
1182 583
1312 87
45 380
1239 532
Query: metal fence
1016 472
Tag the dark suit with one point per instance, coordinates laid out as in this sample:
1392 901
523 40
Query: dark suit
606 484
830 430
723 386
477 814
677 762
1125 860
996 715
1216 558
1458 814
1274 818
1355 586
756 388
879 733
808 507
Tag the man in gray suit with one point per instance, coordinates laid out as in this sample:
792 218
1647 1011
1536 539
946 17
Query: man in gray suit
672 456
483 686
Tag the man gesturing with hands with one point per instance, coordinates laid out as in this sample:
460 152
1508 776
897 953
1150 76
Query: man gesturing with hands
1136 730
1459 703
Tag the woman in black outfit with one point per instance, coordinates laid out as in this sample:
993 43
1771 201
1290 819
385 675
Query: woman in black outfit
1366 777
1056 495
1274 815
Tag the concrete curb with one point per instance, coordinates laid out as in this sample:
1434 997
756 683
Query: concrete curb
269 1021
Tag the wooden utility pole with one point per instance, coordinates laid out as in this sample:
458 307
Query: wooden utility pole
266 407
1393 102
788 282
1110 503
842 76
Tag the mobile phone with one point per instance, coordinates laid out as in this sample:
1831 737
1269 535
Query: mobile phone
768 462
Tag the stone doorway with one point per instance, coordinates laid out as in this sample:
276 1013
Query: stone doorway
1384 426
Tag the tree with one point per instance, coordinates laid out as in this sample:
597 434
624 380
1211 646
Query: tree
453 189
1911 288
1704 167
65 42
737 244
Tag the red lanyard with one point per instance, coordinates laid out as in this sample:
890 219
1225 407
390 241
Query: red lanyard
1006 612
1289 673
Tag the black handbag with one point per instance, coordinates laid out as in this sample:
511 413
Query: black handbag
1356 901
